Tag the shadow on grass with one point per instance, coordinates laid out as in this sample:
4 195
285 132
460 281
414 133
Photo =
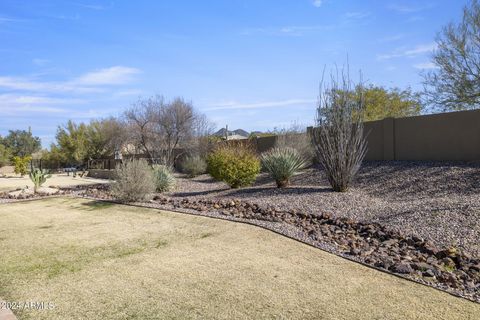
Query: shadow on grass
96 205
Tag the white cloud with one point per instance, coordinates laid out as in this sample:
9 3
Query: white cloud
425 65
403 8
108 76
8 19
128 92
392 38
357 15
96 7
90 82
409 53
285 31
13 99
230 105
14 104
40 62
24 84
317 3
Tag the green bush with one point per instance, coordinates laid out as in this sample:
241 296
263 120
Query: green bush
134 181
282 164
38 177
235 164
21 164
194 166
163 178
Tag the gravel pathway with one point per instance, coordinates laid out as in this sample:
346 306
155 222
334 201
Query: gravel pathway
439 201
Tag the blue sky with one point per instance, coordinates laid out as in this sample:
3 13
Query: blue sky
250 64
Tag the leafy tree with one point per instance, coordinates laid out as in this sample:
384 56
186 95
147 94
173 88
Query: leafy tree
104 137
72 142
5 155
455 84
22 143
77 143
381 103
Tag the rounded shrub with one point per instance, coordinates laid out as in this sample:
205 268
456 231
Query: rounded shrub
133 181
237 165
163 178
282 164
194 166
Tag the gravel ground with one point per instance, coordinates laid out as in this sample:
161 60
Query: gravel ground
439 201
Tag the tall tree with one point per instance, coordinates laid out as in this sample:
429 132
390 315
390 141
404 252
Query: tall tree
22 143
140 119
77 143
383 103
158 127
455 83
72 142
5 155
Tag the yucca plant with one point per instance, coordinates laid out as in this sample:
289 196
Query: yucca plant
282 164
163 178
38 177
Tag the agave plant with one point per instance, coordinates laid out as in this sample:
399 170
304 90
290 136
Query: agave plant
163 177
282 164
38 177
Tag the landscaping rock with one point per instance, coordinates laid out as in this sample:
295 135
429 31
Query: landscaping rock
402 268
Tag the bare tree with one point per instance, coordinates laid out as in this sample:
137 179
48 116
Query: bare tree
455 84
141 119
202 144
160 128
174 126
338 138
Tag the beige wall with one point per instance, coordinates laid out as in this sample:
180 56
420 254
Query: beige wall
445 136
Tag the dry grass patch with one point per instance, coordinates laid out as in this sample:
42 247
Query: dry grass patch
102 261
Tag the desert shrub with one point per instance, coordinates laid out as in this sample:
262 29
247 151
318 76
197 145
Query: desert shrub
338 138
134 181
38 177
163 178
237 165
282 164
21 164
194 166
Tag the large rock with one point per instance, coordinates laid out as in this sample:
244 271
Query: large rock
47 191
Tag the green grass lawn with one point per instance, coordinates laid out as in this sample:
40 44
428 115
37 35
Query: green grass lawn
95 260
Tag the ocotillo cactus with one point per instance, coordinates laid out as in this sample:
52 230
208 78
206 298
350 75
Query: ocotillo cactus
38 178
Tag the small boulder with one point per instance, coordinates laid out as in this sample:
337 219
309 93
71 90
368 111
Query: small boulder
402 267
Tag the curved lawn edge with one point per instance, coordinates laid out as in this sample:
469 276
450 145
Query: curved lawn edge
293 233
269 226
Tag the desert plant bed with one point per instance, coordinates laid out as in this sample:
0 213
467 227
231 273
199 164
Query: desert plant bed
437 201
341 222
98 260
